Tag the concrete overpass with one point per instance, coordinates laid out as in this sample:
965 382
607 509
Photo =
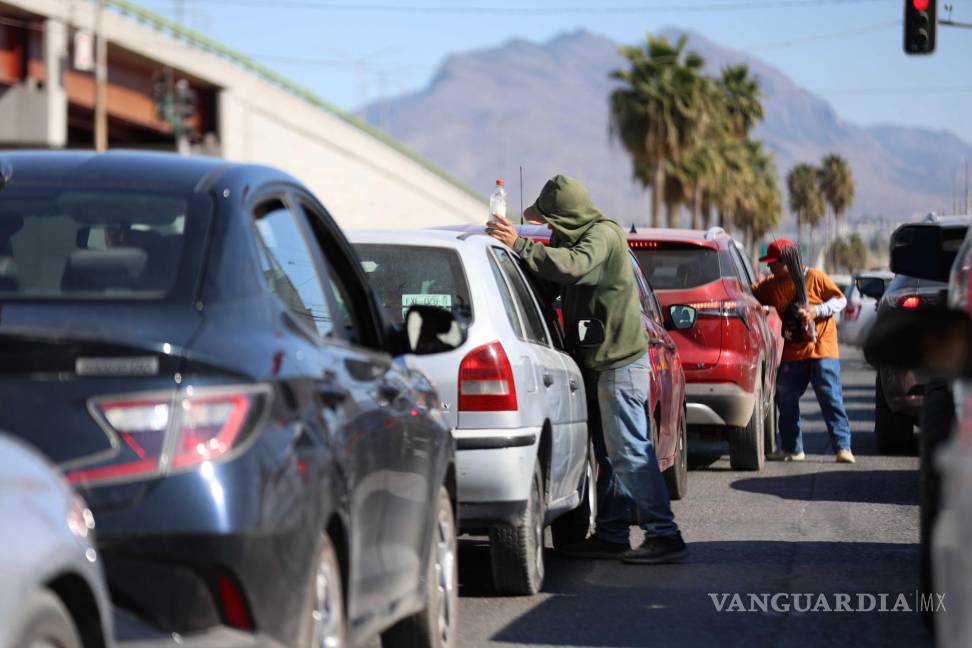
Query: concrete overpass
245 112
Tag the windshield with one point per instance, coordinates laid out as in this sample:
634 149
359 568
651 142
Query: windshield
679 268
402 276
65 243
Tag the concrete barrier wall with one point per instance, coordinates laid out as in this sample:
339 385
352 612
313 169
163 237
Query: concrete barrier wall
363 180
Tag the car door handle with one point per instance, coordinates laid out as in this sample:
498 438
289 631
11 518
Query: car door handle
573 384
332 395
548 379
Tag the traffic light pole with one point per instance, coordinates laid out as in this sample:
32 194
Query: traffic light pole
955 23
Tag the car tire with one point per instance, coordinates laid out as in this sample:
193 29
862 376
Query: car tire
746 443
46 622
435 625
325 621
516 552
574 526
676 476
894 432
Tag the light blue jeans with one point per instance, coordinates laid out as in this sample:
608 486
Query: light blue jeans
824 375
629 473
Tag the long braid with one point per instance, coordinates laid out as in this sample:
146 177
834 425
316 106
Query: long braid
793 324
790 256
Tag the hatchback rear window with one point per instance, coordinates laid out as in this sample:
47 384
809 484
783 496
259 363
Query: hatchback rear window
67 244
402 276
679 268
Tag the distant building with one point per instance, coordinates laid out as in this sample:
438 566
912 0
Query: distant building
243 111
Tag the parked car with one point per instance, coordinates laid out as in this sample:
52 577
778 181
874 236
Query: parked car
899 392
842 282
935 341
858 316
194 343
53 590
514 398
732 353
667 390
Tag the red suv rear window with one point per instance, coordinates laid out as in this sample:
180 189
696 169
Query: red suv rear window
678 267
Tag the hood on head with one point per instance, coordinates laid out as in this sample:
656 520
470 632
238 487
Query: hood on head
567 207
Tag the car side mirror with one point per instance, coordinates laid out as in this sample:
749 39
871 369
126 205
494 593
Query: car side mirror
681 317
430 329
873 287
590 333
935 340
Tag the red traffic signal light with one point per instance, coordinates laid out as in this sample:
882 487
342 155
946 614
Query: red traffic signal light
919 26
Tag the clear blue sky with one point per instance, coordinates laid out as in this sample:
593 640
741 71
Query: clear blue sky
849 51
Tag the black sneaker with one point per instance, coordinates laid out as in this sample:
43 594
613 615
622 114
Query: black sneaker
594 547
653 551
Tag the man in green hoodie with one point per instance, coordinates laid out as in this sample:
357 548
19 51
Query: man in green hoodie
587 264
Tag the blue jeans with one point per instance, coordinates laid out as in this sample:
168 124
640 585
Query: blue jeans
629 474
824 375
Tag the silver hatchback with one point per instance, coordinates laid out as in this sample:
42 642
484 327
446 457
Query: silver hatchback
514 398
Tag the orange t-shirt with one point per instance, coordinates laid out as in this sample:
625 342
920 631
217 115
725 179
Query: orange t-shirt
779 292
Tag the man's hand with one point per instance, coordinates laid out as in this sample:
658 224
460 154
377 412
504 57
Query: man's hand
809 313
502 230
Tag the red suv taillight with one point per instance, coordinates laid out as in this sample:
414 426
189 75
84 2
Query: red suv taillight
852 312
168 431
486 381
719 308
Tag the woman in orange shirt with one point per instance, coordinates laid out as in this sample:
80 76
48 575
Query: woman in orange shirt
807 361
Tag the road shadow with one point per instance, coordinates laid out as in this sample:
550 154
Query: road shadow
605 603
864 486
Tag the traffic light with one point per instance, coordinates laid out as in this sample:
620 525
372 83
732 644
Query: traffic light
919 26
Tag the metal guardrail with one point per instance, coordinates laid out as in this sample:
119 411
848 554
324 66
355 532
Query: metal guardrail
212 46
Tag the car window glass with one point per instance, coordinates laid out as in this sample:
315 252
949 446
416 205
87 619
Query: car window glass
289 267
533 322
679 267
643 291
748 267
506 297
406 275
741 275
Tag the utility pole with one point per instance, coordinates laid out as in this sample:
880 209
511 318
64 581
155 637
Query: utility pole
101 83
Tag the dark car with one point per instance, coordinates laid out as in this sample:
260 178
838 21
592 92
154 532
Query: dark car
899 392
194 344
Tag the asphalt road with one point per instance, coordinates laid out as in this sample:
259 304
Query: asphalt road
806 528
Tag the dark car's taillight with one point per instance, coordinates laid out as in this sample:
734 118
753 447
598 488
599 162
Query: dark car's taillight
912 299
486 381
171 430
853 312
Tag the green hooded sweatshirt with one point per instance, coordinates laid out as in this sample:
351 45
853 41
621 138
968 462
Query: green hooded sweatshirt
587 263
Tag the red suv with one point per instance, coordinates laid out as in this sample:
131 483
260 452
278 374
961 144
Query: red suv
731 355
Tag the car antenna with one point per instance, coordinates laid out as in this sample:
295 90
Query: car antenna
633 230
522 220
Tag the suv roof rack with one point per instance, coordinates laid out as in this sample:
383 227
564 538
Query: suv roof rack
713 232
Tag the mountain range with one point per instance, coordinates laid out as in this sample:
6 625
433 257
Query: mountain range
544 107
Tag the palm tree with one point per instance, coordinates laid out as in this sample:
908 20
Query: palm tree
744 97
837 186
656 111
806 201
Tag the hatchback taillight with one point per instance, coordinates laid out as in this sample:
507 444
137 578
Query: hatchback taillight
852 312
486 381
719 308
171 430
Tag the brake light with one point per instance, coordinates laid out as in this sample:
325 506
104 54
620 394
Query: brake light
912 301
719 308
643 244
170 431
486 381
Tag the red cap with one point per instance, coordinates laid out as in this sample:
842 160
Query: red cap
500 182
774 250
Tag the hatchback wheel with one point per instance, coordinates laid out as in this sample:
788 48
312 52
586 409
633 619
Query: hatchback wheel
576 525
746 443
676 476
325 624
517 551
47 624
895 433
435 626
